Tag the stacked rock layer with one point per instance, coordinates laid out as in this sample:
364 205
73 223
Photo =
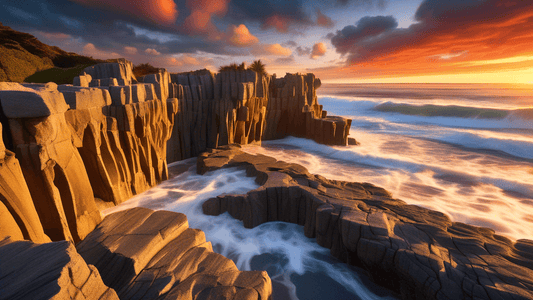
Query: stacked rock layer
418 252
244 107
72 149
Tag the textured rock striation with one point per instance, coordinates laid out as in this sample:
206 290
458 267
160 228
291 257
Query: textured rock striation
18 217
144 254
48 271
418 252
69 151
109 136
244 107
81 148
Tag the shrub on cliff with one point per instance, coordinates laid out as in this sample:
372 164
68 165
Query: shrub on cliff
258 67
144 69
229 67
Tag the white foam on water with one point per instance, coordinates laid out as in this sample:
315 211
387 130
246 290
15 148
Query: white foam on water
477 188
293 261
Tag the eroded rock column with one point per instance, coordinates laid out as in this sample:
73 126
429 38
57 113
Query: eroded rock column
51 164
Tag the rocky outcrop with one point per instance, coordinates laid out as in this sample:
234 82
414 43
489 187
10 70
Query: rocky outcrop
216 109
48 271
121 71
39 135
418 252
244 107
71 150
81 148
144 254
293 109
18 217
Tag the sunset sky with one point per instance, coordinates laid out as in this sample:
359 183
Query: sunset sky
338 40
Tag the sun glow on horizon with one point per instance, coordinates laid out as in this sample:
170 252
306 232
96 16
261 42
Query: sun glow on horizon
523 77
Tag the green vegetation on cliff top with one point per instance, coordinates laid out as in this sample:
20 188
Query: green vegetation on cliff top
23 58
257 66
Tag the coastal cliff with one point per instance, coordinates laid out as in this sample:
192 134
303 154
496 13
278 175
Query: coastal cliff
110 136
418 252
68 151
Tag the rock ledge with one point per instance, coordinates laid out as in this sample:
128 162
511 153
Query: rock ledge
420 253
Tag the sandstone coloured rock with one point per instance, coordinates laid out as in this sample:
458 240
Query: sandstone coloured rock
144 254
122 70
48 271
18 217
31 100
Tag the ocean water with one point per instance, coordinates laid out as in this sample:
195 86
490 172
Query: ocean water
464 150
298 266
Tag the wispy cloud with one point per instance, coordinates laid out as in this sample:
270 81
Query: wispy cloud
151 51
323 20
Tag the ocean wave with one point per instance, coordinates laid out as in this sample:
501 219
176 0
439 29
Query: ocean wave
430 110
482 188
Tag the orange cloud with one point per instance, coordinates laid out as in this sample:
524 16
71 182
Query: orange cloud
183 62
240 36
199 21
151 51
277 49
446 40
319 49
323 20
157 11
130 50
271 49
91 50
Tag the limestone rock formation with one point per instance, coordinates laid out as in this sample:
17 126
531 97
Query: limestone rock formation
96 143
83 147
245 107
293 109
48 271
144 254
418 252
38 132
18 217
122 70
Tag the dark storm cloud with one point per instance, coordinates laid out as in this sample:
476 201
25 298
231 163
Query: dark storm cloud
278 14
381 4
488 29
105 29
366 28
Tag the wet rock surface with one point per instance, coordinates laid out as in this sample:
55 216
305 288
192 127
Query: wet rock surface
418 252
145 254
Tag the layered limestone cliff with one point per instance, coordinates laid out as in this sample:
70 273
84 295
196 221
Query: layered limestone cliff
109 136
80 148
71 150
244 107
